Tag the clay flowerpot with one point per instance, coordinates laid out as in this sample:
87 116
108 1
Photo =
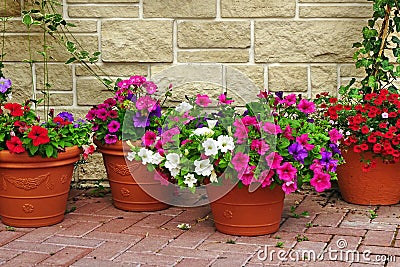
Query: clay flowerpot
130 181
378 186
34 190
245 213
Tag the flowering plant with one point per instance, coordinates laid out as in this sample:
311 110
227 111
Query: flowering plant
274 142
369 122
133 106
21 130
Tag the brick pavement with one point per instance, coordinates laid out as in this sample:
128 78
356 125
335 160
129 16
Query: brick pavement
97 234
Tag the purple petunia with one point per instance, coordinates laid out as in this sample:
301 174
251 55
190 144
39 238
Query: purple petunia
140 121
110 138
298 152
156 112
4 84
66 116
327 161
113 126
335 149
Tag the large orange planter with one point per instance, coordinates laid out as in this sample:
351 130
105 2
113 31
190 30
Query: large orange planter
127 182
378 186
34 190
245 213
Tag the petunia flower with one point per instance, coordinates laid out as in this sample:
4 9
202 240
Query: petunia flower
110 139
306 106
140 121
39 135
321 181
14 145
203 100
203 167
240 161
190 180
298 152
113 126
289 187
286 172
210 147
4 85
225 143
222 99
149 138
15 109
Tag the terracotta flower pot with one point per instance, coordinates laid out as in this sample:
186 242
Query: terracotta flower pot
130 183
245 213
34 190
378 186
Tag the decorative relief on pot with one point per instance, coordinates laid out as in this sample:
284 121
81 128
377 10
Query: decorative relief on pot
119 169
27 208
27 183
64 179
125 192
228 214
134 165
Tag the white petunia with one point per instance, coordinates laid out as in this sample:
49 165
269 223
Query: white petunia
172 162
131 156
211 123
203 167
10 96
385 115
203 131
174 171
210 146
190 180
183 107
156 159
146 155
225 143
213 177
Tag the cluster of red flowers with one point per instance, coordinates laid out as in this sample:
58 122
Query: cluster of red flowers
372 124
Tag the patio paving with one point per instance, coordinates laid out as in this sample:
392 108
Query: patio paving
94 233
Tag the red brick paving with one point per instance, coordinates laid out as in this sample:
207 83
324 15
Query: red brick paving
97 234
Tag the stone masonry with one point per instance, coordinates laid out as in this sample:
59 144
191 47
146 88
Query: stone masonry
238 46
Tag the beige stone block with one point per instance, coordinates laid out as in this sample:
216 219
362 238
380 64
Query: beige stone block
288 78
59 76
323 79
20 75
114 70
147 41
81 26
243 83
214 34
179 9
334 1
10 8
346 81
18 44
188 79
351 71
91 171
336 11
223 56
306 41
55 5
100 1
258 8
91 92
120 11
58 99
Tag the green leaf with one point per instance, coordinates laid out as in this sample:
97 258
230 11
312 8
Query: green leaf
70 60
49 151
372 81
27 20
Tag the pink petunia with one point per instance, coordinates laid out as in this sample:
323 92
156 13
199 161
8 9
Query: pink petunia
271 128
303 140
240 132
137 80
146 102
240 161
151 87
286 172
289 187
321 181
248 175
274 160
265 177
203 100
289 100
287 133
224 100
335 135
113 126
260 146
149 138
306 106
166 136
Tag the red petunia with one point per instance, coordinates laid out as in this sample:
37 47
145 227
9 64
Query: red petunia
357 149
382 125
364 147
371 139
377 148
39 135
15 109
364 129
14 145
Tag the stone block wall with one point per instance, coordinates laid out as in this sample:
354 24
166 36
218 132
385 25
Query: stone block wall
238 46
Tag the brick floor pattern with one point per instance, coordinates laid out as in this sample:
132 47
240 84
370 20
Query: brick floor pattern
97 234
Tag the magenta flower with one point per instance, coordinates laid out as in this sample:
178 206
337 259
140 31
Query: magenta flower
241 131
166 136
306 106
265 177
240 161
272 128
102 114
260 146
321 181
289 100
289 187
286 172
91 114
274 160
248 175
335 135
146 102
124 84
287 133
113 126
249 120
303 140
151 87
149 138
203 100
110 139
224 100
110 102
113 114
137 80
